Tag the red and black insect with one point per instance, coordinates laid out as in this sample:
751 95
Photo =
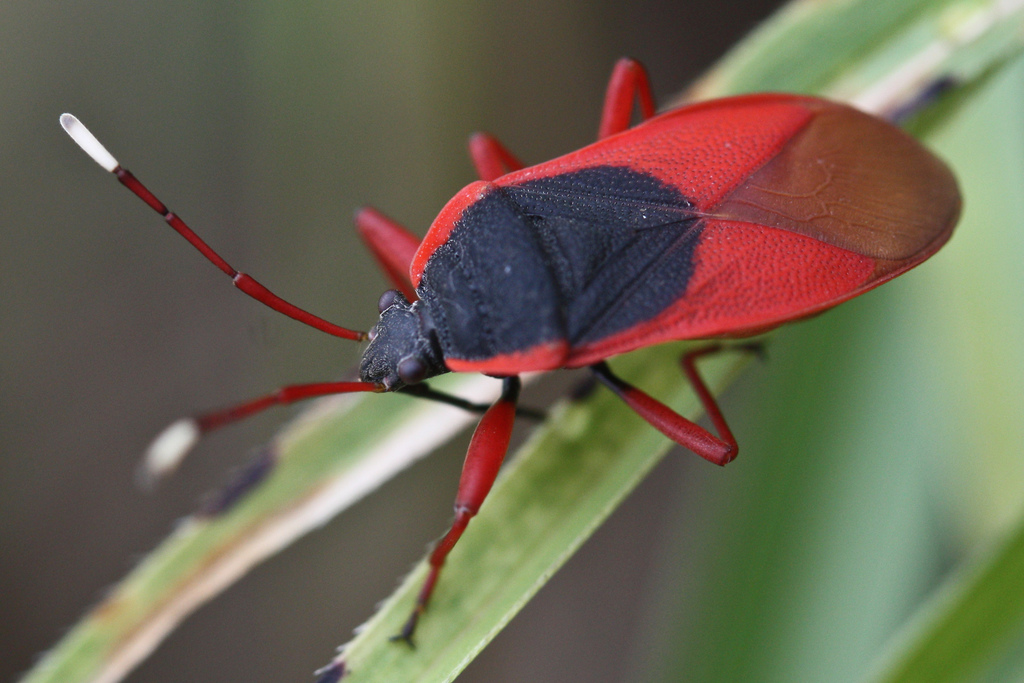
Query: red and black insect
718 220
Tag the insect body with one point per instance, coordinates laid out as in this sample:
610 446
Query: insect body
720 219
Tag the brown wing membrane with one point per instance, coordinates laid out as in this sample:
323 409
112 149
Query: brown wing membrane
856 182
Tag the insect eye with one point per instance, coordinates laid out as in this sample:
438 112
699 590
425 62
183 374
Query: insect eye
386 300
412 370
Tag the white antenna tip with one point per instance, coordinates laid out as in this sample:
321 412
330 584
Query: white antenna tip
167 451
88 142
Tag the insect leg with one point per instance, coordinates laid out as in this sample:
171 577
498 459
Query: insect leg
719 449
483 460
423 390
491 158
628 83
391 244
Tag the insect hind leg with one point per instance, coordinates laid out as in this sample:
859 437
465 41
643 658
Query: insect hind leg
628 84
720 449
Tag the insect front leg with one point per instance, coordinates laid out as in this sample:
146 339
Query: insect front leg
628 83
424 390
491 158
719 449
483 460
391 244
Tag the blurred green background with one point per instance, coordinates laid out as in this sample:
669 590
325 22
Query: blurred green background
880 443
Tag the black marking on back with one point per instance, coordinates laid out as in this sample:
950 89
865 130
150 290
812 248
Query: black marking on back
619 242
577 256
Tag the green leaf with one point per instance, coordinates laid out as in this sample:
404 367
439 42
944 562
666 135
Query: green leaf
963 629
335 453
560 487
971 628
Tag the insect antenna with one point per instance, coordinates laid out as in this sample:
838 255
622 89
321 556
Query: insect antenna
88 142
171 446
